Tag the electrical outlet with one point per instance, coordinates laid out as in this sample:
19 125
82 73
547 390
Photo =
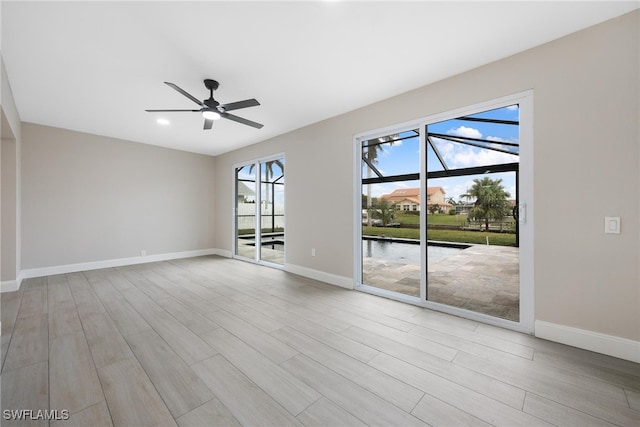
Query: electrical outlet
143 253
313 251
612 224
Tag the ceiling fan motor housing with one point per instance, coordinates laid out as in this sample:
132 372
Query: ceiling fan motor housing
211 103
211 84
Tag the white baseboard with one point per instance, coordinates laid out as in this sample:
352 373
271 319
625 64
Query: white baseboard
601 343
9 286
332 279
119 262
223 253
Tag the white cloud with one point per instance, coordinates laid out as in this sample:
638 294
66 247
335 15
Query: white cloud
499 139
468 157
387 148
496 139
515 108
462 156
444 147
466 132
458 188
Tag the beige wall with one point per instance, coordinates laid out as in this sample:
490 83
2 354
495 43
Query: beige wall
90 198
586 114
8 218
437 197
587 144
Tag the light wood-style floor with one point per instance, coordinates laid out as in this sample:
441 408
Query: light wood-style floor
211 341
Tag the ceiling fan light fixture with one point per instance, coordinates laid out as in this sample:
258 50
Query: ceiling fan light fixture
211 115
211 109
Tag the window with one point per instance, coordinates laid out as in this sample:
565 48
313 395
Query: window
390 165
259 194
470 164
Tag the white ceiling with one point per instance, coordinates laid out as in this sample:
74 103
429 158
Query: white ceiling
96 66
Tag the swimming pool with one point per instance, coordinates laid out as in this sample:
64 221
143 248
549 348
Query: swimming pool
405 252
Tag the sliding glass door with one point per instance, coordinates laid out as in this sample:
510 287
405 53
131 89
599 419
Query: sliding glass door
259 221
245 212
472 186
441 221
391 245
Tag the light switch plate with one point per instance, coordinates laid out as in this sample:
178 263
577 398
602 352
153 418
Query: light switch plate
612 225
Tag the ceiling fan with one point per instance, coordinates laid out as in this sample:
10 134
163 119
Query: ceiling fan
211 109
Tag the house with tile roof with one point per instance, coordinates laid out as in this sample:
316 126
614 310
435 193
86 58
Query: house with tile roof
408 199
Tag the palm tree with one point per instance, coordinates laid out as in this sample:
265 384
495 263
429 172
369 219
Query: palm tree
453 204
434 208
268 172
371 154
384 210
491 200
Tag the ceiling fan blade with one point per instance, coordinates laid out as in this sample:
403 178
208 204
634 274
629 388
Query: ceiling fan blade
242 120
208 124
240 104
170 111
185 93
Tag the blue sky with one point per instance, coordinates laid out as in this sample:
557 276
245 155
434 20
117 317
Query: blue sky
250 174
404 156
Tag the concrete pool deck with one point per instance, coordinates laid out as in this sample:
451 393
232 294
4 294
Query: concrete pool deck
482 278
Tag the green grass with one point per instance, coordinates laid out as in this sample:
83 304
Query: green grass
435 219
477 237
440 219
407 218
443 219
403 233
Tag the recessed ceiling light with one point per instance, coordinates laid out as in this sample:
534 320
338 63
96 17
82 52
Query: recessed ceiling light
163 122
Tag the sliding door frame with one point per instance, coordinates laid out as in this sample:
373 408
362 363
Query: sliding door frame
357 208
257 258
525 193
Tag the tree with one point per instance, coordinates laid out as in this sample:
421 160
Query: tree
371 155
433 209
491 200
268 174
365 198
384 210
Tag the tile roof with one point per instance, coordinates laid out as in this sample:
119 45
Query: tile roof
411 192
412 195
